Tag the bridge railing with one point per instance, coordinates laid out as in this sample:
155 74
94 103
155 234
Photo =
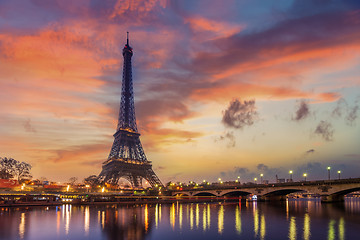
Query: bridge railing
235 185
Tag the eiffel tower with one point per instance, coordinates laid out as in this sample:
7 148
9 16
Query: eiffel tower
127 158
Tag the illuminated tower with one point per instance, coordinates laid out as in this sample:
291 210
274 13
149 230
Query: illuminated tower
127 158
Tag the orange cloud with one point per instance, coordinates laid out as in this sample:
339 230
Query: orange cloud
81 154
224 92
220 29
141 7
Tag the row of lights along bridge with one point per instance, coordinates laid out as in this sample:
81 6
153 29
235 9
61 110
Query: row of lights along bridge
290 177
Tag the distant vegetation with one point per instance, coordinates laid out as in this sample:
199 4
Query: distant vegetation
11 168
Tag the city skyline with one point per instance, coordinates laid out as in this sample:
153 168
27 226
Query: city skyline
221 90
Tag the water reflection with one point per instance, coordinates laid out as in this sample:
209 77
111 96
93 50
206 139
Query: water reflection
331 230
221 219
341 229
22 226
289 220
262 227
256 220
67 213
238 219
292 228
306 226
87 220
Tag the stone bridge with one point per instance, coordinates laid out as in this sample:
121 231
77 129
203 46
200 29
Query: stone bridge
330 191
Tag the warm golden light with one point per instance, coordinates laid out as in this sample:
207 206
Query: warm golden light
197 214
146 218
22 226
204 219
191 217
341 229
262 227
256 220
331 230
221 219
172 215
237 220
306 226
292 229
180 213
87 220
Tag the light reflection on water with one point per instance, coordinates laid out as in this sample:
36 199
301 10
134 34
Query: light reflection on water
296 219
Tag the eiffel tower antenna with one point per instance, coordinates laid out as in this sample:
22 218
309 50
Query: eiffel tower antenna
127 38
127 158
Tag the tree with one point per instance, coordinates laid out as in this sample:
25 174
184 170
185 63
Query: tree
72 180
4 174
11 168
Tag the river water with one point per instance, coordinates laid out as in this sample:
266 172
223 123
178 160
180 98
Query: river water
293 219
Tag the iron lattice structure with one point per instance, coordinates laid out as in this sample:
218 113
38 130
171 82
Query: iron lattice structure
127 158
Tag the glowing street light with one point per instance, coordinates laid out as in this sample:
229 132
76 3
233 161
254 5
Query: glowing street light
339 172
328 168
261 177
291 172
255 179
68 188
305 175
103 189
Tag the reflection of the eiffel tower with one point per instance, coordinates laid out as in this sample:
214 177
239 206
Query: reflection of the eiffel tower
127 222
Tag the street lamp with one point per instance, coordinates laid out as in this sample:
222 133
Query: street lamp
261 177
339 172
305 175
328 168
255 179
291 172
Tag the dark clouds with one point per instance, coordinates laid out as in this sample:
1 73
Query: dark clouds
311 151
229 137
28 126
350 113
240 114
290 36
341 106
302 111
325 130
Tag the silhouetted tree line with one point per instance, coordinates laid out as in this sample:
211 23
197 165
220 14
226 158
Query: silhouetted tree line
11 168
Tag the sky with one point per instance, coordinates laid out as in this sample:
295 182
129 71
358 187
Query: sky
222 88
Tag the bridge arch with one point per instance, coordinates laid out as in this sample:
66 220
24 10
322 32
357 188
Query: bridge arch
235 193
207 194
279 194
346 191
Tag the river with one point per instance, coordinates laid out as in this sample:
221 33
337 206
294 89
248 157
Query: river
293 219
